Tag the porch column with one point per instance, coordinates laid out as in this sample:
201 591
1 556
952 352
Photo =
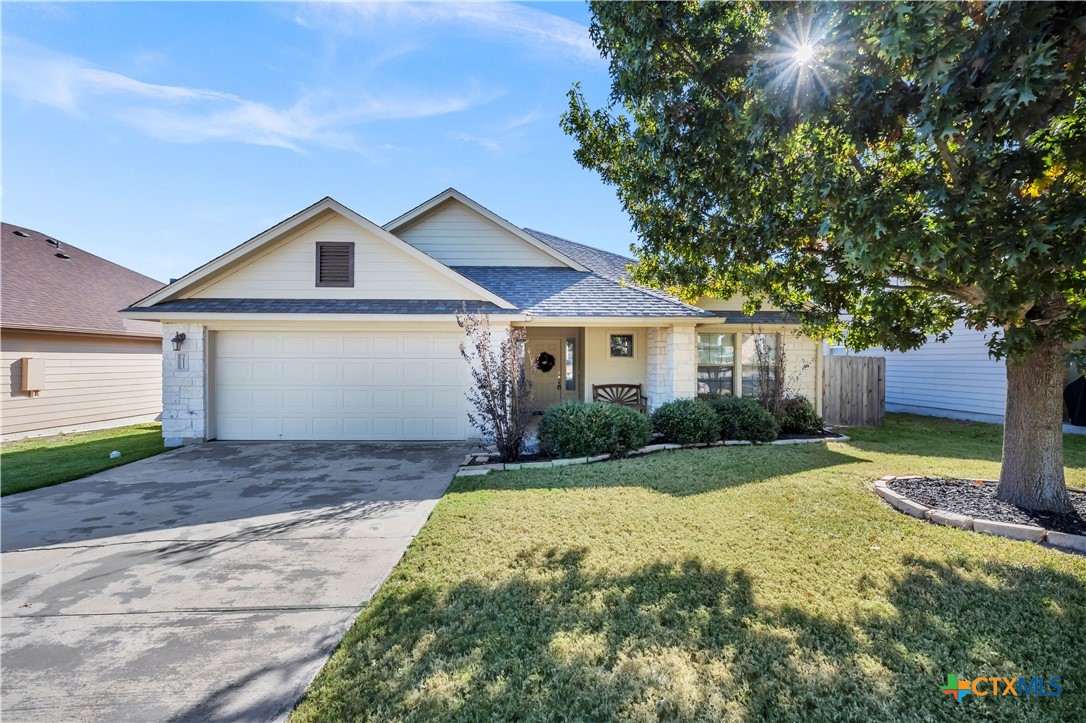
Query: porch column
184 385
672 364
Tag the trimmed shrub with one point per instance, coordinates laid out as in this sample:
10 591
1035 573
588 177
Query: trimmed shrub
579 429
686 421
744 418
798 416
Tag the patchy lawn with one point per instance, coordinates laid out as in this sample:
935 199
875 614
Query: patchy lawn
33 463
736 583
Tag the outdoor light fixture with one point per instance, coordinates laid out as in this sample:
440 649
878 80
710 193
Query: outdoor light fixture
178 339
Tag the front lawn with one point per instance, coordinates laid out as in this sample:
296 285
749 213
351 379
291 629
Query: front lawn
733 583
33 463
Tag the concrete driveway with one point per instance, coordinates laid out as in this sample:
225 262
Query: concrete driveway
208 583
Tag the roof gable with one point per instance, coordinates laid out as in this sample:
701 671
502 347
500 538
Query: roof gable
66 288
460 232
277 263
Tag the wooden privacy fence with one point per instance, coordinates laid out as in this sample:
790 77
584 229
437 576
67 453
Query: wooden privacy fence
853 390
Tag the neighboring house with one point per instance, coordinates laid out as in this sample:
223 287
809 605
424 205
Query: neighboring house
328 327
70 361
955 379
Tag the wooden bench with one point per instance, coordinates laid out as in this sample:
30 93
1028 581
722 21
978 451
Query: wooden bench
628 395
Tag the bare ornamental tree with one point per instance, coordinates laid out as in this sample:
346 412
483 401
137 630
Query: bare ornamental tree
500 392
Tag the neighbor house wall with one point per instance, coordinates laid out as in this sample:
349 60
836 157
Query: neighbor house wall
956 378
455 235
90 381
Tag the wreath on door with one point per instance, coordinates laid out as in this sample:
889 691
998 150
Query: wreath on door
544 362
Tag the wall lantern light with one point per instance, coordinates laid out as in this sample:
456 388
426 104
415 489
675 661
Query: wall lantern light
178 339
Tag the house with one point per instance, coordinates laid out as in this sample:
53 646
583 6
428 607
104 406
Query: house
70 361
328 326
957 378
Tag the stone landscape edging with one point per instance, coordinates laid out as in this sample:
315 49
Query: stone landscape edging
467 469
1010 530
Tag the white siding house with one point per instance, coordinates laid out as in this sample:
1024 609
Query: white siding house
955 379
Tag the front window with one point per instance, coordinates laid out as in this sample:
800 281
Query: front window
571 366
716 363
622 345
752 343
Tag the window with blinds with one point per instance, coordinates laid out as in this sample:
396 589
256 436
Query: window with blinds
335 264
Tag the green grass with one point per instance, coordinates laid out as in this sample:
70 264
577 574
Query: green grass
735 583
46 461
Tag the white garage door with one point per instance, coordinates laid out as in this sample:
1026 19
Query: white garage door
339 385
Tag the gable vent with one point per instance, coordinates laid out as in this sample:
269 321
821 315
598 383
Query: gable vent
335 264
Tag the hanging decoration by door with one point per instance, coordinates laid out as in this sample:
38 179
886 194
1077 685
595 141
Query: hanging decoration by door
544 362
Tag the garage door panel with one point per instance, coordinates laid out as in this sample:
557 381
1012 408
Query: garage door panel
444 374
447 399
387 400
357 345
357 372
327 427
317 385
387 373
389 428
358 399
296 399
267 344
386 345
357 428
447 427
267 372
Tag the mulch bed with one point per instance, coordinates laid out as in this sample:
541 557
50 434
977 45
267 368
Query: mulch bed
978 500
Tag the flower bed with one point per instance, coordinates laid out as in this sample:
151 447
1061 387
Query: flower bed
478 463
971 505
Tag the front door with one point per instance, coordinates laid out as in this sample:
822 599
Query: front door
546 365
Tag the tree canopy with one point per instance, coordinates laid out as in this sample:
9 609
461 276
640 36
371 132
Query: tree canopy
884 168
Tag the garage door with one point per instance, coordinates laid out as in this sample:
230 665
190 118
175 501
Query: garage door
341 385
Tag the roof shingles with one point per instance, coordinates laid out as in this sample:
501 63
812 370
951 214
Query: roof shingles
81 292
544 291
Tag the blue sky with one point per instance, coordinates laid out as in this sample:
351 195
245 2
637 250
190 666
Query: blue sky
160 135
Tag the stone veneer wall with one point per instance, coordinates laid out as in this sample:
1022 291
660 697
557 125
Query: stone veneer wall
672 364
184 391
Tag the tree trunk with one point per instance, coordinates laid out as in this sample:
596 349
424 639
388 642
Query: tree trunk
1032 472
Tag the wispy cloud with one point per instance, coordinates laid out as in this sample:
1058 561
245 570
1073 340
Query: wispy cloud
515 23
181 114
498 137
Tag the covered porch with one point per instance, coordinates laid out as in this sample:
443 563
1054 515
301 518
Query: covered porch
670 361
566 362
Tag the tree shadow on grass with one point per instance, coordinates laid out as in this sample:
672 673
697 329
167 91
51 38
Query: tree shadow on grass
555 641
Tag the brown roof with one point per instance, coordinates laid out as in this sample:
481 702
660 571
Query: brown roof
39 289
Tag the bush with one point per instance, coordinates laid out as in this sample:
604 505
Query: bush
577 429
686 421
744 418
798 416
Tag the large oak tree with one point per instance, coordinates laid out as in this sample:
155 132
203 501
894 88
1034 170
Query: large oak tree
882 169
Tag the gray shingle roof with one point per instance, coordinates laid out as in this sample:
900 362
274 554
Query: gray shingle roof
545 291
608 265
324 306
758 317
